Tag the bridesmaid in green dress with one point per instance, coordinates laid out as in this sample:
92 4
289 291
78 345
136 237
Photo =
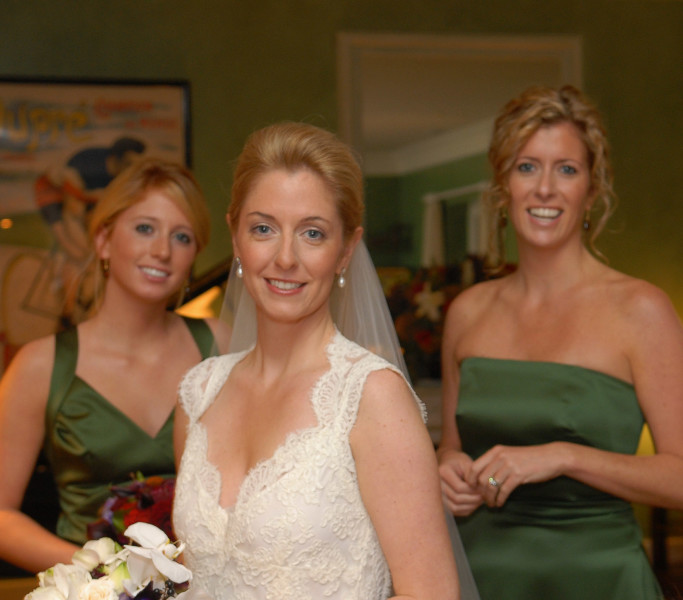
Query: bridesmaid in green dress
99 399
549 374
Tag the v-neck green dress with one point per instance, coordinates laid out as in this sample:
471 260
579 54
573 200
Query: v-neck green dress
90 444
560 539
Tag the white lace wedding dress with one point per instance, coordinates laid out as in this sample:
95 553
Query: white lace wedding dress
299 529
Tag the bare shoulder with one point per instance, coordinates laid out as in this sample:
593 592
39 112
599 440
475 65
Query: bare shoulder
473 301
386 395
389 422
27 379
385 384
469 312
37 356
639 303
643 320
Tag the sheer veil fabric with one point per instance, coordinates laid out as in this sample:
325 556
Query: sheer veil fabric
361 314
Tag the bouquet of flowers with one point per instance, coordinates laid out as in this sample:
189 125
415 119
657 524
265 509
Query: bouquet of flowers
104 570
143 499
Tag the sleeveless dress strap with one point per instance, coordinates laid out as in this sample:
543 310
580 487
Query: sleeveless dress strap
63 372
203 336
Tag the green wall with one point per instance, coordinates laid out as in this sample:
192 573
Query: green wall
394 206
252 63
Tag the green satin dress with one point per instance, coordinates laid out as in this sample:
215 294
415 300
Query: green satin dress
90 444
560 539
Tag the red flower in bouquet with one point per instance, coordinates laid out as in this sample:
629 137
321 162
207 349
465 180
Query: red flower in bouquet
159 513
142 500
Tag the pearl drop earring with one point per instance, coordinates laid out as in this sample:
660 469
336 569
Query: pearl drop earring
341 282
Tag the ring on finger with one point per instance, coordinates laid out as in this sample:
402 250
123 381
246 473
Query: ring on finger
493 482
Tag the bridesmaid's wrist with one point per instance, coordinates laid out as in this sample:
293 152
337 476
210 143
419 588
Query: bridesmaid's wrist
566 457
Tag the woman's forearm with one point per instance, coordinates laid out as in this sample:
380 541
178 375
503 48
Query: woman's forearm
654 479
30 546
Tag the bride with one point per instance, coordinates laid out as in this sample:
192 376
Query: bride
305 468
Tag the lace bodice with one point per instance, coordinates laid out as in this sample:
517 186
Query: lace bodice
299 529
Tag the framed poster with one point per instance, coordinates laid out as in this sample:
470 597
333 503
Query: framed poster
61 143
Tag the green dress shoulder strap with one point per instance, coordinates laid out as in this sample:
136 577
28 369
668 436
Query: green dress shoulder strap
63 371
203 336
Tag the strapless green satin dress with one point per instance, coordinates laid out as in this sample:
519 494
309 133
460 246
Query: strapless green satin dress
560 539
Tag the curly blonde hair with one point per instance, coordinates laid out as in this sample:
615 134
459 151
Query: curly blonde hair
519 119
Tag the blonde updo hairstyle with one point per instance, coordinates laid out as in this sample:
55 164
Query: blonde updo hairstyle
292 146
519 119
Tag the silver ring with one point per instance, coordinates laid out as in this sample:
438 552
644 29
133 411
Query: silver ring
493 482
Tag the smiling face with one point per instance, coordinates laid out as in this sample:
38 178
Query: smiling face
150 248
290 240
550 187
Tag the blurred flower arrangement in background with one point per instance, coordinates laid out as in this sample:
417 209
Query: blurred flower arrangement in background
418 301
143 499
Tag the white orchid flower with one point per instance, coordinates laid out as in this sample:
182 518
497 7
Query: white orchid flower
96 552
152 560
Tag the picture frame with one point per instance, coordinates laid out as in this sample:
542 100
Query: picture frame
61 142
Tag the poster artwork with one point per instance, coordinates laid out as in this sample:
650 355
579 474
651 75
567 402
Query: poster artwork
61 143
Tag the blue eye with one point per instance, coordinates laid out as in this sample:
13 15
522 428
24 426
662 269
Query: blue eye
568 170
183 238
314 234
525 167
144 228
261 229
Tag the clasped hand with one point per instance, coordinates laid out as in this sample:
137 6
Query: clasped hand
490 479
